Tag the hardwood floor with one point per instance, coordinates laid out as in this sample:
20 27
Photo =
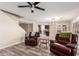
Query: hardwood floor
22 50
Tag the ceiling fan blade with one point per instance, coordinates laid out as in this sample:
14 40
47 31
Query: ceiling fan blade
36 3
23 6
29 3
39 8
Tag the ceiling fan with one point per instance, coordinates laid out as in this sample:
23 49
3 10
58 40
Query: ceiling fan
32 6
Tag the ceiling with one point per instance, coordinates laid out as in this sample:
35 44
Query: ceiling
64 10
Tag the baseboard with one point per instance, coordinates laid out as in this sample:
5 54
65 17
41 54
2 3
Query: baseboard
11 44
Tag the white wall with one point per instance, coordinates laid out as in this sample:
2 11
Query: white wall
52 30
10 32
67 23
54 25
35 27
75 21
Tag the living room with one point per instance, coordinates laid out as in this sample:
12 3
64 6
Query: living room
35 30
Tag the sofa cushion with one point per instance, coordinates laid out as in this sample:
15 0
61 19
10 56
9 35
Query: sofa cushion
74 38
33 34
61 48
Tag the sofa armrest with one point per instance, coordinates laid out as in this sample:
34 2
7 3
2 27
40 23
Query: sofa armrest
26 37
52 41
71 45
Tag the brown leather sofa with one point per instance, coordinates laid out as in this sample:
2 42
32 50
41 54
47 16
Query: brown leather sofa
62 46
32 40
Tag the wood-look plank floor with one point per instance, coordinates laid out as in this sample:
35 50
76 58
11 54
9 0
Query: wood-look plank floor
23 50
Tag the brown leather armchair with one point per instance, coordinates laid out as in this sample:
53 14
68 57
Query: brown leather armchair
64 46
32 40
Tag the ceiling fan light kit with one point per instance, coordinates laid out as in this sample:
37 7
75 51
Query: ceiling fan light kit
32 6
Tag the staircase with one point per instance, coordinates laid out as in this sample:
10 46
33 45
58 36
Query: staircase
10 32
